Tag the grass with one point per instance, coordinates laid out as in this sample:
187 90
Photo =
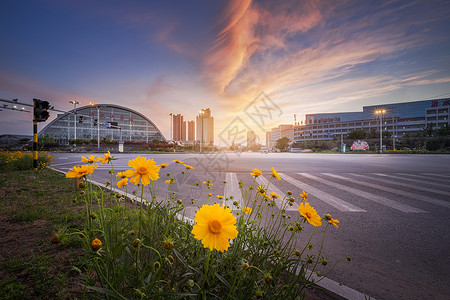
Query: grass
33 207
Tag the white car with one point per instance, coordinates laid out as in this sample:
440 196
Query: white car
264 150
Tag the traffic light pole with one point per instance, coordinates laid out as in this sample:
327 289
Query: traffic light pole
35 140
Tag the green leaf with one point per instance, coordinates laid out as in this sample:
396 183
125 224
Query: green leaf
224 281
105 291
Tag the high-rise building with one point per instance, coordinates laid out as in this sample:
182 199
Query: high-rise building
205 127
251 138
191 130
183 131
178 127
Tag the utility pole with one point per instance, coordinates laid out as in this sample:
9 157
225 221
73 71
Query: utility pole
75 120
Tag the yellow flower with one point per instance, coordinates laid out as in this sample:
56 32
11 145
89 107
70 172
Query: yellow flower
334 222
209 194
256 172
274 196
91 159
331 220
247 210
207 183
220 197
188 167
163 165
261 190
96 244
177 161
122 182
171 180
275 174
304 195
80 171
215 225
310 214
144 170
107 158
121 175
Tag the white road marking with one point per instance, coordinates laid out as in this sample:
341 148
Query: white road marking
375 198
325 197
438 175
420 188
422 180
232 189
393 191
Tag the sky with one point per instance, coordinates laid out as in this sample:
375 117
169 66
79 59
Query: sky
161 57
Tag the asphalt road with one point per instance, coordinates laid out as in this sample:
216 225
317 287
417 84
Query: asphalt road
394 210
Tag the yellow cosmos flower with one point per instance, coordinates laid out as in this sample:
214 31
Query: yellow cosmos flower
177 161
91 159
331 220
215 225
122 182
121 175
96 244
188 167
220 197
261 190
80 171
247 210
144 170
310 214
275 174
256 172
334 222
171 180
207 183
304 195
107 158
163 165
273 195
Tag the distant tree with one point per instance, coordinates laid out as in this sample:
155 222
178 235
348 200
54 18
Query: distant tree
46 138
357 134
282 144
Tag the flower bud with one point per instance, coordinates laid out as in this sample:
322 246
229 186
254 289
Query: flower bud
348 258
235 203
156 265
259 294
297 253
136 243
328 217
245 266
96 244
289 193
55 239
81 192
268 279
179 201
323 261
168 245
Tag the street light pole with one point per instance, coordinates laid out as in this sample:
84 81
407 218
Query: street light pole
381 112
75 120
201 139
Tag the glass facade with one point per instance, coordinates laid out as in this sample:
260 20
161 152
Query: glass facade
398 118
134 126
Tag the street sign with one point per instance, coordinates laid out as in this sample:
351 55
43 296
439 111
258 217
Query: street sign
121 146
107 124
330 133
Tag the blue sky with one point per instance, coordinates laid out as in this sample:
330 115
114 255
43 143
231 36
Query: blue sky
161 57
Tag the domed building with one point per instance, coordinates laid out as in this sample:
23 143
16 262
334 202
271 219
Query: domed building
132 125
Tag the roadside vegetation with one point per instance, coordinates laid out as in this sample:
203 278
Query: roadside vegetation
33 207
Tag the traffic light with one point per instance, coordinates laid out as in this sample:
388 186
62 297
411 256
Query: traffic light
95 122
301 133
310 133
80 120
40 110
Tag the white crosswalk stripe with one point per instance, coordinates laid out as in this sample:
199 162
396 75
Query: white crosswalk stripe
409 185
438 175
375 198
232 189
325 197
393 191
444 181
261 180
427 181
